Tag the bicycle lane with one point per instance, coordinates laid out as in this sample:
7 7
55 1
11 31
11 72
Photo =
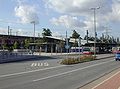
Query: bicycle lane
112 82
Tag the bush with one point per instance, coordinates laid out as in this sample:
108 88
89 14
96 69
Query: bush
84 58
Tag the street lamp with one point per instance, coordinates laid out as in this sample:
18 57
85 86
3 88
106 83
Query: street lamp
94 10
33 22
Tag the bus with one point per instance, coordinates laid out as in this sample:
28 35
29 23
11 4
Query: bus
84 50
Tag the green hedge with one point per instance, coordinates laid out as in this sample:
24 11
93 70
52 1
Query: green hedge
84 58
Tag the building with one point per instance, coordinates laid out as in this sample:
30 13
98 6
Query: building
51 44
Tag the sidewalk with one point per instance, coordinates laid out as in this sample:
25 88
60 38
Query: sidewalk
109 81
112 82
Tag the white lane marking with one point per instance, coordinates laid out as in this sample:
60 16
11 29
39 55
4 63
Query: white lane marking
106 80
70 71
7 75
37 64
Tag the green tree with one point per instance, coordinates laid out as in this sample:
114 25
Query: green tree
15 45
61 45
26 43
75 35
102 38
31 40
4 46
85 38
90 38
46 32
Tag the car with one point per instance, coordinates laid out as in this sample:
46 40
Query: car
117 56
87 51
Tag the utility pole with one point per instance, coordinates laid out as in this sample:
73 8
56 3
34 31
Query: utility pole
67 46
8 30
94 11
87 36
79 46
33 47
66 42
33 22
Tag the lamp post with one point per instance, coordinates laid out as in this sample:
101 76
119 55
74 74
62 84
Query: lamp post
95 33
33 47
33 22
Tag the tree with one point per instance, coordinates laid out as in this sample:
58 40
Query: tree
91 38
46 32
26 43
75 35
85 38
102 38
31 40
61 45
15 45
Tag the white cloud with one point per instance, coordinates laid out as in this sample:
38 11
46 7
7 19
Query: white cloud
56 34
115 15
79 7
3 30
18 32
74 23
20 2
27 13
68 21
82 8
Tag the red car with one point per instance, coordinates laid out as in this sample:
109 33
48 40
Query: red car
87 51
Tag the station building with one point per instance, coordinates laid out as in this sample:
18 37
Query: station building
53 44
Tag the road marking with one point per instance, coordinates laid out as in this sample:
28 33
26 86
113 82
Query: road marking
39 64
7 75
106 80
70 71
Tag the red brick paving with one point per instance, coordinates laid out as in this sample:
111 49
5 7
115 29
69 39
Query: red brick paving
112 83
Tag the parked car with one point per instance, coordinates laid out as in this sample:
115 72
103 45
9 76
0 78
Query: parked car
87 51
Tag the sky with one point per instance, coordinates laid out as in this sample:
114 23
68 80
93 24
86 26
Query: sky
60 16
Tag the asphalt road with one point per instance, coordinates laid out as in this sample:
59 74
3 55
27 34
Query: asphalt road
54 76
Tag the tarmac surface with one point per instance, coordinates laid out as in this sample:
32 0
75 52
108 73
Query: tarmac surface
28 75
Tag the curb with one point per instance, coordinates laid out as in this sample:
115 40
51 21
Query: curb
97 78
104 57
16 59
32 57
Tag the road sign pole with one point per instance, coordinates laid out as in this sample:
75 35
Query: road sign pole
79 46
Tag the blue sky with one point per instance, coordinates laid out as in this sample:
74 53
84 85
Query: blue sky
59 16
